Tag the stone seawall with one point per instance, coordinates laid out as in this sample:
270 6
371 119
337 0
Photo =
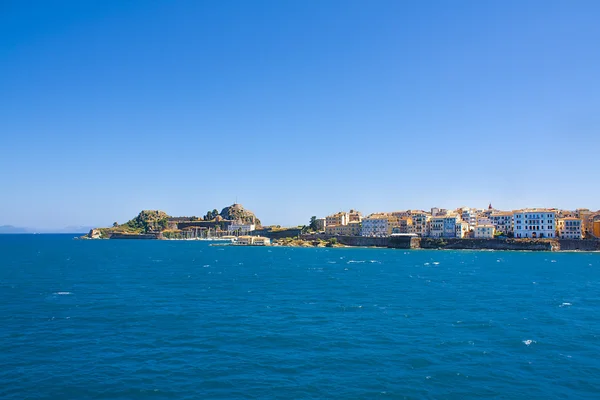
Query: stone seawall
396 242
490 244
278 234
579 245
404 242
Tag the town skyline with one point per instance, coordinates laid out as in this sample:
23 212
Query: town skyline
296 108
86 225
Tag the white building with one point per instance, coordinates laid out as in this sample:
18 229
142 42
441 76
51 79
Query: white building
469 215
484 231
461 229
253 241
570 228
379 225
535 223
241 228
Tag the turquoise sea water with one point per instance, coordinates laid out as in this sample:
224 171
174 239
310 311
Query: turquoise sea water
183 320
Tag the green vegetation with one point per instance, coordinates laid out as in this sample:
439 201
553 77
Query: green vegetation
332 242
313 223
145 222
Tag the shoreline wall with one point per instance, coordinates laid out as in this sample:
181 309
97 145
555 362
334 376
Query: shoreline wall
490 244
395 242
404 242
579 245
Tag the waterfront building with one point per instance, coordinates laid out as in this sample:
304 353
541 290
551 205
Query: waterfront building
261 241
436 226
482 220
253 241
535 223
354 216
569 228
237 227
352 229
378 225
340 218
595 228
469 215
462 229
419 221
584 215
405 225
453 226
448 226
502 221
484 231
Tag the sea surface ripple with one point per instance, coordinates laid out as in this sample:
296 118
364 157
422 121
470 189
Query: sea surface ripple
184 320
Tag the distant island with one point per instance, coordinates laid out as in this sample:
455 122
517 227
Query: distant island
10 229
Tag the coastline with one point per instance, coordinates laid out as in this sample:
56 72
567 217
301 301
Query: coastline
414 243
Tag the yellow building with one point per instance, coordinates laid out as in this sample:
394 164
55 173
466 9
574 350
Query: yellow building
569 228
340 218
596 228
405 225
484 231
352 229
354 216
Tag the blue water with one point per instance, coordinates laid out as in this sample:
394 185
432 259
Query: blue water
183 320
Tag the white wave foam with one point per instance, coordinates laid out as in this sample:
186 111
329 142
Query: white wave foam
528 342
436 263
62 293
565 305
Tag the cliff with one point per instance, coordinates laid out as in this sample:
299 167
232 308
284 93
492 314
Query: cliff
150 222
146 222
236 212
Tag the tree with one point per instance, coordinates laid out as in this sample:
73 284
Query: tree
115 224
163 223
313 223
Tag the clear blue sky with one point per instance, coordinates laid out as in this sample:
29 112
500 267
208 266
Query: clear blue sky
298 108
